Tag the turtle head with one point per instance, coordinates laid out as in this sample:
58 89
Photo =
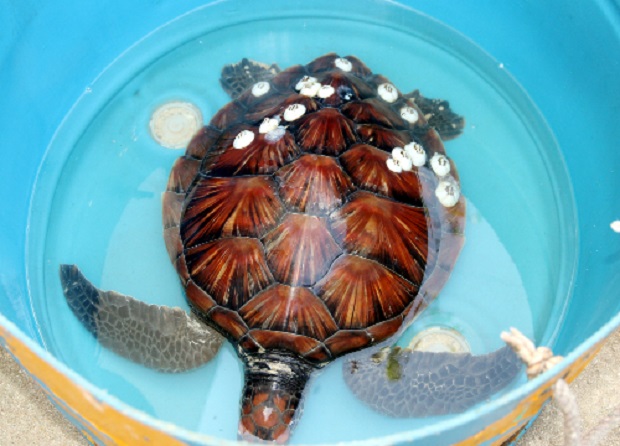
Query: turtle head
272 395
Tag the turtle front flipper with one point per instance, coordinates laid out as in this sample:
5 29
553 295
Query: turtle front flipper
162 338
405 383
238 77
439 115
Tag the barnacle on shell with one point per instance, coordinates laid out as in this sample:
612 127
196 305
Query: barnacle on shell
325 132
372 111
381 137
276 105
261 156
347 88
367 166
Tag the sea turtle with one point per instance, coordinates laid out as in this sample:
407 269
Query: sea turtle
315 215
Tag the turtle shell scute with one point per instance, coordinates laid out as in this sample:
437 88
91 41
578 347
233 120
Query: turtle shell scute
303 239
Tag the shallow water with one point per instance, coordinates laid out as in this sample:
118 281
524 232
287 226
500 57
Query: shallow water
97 201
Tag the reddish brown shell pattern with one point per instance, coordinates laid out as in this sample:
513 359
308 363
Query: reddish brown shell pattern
287 226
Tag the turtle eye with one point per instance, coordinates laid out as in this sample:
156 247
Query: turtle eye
345 93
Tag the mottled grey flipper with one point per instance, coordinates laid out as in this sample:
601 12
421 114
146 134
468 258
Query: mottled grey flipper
164 338
439 115
402 383
238 77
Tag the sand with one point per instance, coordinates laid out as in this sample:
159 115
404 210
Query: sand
28 418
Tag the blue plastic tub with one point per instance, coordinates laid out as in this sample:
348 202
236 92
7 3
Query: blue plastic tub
67 64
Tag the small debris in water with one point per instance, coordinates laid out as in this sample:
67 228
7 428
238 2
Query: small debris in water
615 226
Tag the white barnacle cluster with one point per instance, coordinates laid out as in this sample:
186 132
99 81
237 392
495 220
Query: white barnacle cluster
447 191
270 127
404 159
387 92
269 124
260 89
343 63
311 87
409 114
308 86
440 165
243 139
294 112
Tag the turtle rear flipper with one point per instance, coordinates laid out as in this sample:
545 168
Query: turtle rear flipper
439 115
238 77
162 338
404 383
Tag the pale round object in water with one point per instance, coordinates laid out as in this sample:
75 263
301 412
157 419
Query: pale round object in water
440 340
173 124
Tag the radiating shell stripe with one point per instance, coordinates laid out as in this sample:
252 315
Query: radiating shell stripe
319 137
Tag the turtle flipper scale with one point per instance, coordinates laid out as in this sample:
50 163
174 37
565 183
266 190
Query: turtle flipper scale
238 77
163 338
439 115
404 383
